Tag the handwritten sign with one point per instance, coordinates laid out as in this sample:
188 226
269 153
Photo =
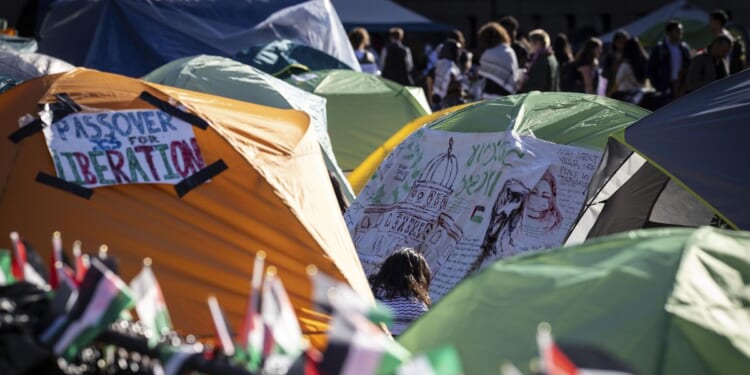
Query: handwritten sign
465 200
123 147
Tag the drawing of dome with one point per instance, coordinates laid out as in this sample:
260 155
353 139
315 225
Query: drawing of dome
442 169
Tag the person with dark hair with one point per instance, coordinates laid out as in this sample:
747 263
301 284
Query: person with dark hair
403 284
563 52
521 50
543 74
581 75
630 83
669 61
447 89
395 60
717 21
360 40
709 65
497 63
613 57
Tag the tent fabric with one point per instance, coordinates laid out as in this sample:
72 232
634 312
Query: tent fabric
26 65
140 36
695 140
650 28
282 58
564 118
364 110
228 78
380 15
275 196
663 301
17 44
360 175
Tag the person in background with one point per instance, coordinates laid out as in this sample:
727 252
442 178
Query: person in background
669 61
543 74
717 21
613 57
630 82
448 90
709 65
395 60
403 284
581 75
360 40
521 50
497 63
563 52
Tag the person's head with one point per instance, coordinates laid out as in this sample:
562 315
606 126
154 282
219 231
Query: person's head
619 39
458 36
674 31
510 24
717 20
359 38
451 50
492 34
562 49
590 51
634 54
541 203
396 34
721 46
539 39
404 273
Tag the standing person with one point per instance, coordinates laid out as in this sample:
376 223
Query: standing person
717 21
395 60
709 66
630 81
543 74
613 57
448 89
360 40
497 64
581 75
403 284
510 24
563 52
669 61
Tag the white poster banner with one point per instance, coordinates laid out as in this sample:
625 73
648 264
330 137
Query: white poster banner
467 199
123 147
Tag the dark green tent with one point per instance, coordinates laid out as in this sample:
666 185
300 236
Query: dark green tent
282 58
663 301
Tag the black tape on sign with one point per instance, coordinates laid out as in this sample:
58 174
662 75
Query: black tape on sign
174 111
26 131
63 185
68 102
189 183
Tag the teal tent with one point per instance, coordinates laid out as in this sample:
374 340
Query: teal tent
231 79
485 182
663 301
282 58
364 110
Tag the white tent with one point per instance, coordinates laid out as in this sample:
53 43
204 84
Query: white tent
28 65
379 15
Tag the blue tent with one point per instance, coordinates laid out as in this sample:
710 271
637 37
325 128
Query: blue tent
133 37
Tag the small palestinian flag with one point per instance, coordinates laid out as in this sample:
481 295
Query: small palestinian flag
223 331
102 296
22 270
283 341
251 335
81 262
331 295
575 360
356 346
149 304
174 359
441 361
6 268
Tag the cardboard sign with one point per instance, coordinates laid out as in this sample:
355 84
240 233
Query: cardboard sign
123 147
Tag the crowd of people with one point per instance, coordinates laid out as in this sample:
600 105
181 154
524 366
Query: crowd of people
507 62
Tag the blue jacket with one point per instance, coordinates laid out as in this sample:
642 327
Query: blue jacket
660 66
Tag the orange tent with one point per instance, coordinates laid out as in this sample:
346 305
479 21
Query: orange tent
275 196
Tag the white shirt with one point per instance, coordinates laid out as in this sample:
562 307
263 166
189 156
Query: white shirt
675 58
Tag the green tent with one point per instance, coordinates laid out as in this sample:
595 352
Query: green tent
663 301
488 181
231 79
364 110
284 57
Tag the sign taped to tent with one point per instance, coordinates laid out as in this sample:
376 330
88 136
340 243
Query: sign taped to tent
466 199
123 147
